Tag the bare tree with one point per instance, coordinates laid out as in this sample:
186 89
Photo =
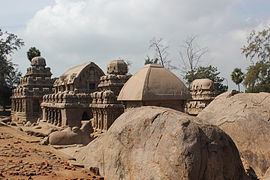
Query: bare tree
160 50
190 55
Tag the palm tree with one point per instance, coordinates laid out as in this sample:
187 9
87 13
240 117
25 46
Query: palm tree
237 77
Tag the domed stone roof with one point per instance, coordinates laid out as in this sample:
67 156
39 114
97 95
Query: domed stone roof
202 84
38 61
118 67
154 83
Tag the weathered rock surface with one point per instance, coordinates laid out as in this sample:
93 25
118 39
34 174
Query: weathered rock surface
159 143
245 118
73 135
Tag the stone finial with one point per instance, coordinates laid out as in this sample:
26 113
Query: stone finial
118 67
38 61
202 84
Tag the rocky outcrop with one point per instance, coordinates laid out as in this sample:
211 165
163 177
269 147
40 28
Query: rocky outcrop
266 175
245 118
159 143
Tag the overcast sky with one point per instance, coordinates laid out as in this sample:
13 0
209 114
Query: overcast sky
71 32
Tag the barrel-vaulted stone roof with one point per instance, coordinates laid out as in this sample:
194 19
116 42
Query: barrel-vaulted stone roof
73 73
154 83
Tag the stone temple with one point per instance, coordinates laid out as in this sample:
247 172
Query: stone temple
154 85
84 92
202 92
105 107
27 97
69 104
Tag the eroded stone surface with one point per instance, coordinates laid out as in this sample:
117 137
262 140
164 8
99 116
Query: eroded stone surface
245 117
26 98
160 143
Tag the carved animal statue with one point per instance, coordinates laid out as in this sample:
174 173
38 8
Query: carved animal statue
73 135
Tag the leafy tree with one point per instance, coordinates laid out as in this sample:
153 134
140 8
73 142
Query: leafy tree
33 52
190 55
9 75
257 78
237 77
209 72
258 45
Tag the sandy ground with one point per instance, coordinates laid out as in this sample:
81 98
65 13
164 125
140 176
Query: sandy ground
22 157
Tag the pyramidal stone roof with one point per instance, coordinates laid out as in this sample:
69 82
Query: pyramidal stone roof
154 83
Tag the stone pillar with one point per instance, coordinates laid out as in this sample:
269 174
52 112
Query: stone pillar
20 103
50 115
95 118
23 105
59 123
12 104
99 124
43 113
55 120
105 120
53 116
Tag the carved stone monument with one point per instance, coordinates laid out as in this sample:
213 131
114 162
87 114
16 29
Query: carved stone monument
69 104
154 85
26 98
105 107
202 92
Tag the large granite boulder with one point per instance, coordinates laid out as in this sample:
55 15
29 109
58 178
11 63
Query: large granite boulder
245 118
163 144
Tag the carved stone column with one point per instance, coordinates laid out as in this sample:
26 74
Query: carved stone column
59 120
100 118
55 116
50 115
95 118
46 114
105 120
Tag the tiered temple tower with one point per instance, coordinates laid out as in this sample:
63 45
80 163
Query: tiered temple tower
26 98
105 107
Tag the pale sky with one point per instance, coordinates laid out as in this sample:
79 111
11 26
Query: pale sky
71 32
